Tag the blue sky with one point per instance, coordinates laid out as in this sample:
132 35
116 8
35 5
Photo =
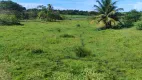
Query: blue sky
79 4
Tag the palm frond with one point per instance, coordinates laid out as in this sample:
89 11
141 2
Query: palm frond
100 4
114 3
112 20
98 9
111 13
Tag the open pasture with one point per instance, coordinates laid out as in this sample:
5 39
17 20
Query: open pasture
46 51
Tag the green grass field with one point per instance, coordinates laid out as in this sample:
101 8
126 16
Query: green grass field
40 51
77 17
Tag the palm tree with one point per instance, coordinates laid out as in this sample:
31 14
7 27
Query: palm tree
108 12
49 8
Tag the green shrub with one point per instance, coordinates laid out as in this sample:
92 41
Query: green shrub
139 25
8 19
37 51
67 36
53 16
78 25
127 24
132 16
58 29
82 52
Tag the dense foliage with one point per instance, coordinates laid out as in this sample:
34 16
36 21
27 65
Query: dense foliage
30 14
33 13
10 5
8 19
138 25
76 12
48 13
10 12
133 16
129 18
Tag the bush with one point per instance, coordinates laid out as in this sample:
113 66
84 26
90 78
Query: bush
128 24
124 24
132 16
139 25
53 16
78 25
8 19
82 52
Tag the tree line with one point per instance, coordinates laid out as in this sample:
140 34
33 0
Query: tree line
106 11
33 13
12 12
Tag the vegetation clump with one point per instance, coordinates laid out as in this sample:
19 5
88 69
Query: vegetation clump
67 36
82 52
48 13
138 25
10 13
129 18
132 16
78 25
37 51
8 19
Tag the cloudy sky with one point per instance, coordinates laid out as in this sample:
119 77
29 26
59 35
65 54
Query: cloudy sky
79 4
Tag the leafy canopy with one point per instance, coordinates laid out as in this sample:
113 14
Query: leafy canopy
10 5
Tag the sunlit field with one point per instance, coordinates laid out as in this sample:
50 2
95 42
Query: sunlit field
47 51
70 40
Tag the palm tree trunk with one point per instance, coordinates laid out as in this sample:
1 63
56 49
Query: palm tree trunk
107 25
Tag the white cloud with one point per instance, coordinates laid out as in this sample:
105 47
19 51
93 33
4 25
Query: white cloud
79 5
30 5
61 8
138 6
34 5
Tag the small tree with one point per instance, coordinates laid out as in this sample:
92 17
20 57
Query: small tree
8 19
50 8
48 13
108 12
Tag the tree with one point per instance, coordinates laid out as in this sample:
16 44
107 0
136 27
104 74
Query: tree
10 12
108 12
10 7
48 13
42 15
31 13
50 8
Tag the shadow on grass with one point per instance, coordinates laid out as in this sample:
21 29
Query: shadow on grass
16 24
115 27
